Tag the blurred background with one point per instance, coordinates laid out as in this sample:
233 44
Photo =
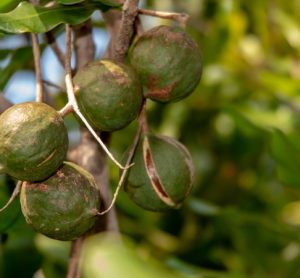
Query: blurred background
241 126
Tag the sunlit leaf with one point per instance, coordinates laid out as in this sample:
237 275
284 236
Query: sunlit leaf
29 18
7 5
288 26
249 116
279 83
107 256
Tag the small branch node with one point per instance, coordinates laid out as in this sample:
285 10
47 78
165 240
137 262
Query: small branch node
67 109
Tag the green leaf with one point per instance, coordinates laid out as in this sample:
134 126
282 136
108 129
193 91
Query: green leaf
70 2
202 207
242 120
286 152
21 58
4 53
279 83
7 5
108 3
28 18
53 250
11 213
120 259
252 118
289 26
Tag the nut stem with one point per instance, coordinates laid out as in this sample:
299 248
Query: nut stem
13 196
73 102
143 122
124 173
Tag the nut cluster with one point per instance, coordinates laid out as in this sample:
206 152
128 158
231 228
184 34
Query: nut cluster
60 199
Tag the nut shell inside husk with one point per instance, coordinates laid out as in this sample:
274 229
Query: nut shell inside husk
162 174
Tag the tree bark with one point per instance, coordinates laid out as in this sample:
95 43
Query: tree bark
88 153
126 30
4 103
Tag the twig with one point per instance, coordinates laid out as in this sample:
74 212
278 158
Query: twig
4 103
67 62
181 18
71 96
88 153
121 44
13 196
124 173
142 128
130 11
37 62
59 54
74 266
37 65
138 26
49 83
143 119
84 32
67 109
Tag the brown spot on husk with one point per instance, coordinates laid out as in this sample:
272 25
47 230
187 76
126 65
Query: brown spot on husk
115 71
161 93
121 79
60 174
171 34
42 187
117 77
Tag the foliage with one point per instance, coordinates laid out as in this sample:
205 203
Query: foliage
35 19
241 126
